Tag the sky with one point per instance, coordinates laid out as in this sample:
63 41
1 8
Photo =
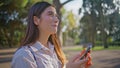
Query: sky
73 5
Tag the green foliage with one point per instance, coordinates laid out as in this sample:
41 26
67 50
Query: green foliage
68 19
97 48
20 3
102 48
97 17
12 26
71 19
69 24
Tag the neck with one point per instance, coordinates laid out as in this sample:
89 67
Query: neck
43 39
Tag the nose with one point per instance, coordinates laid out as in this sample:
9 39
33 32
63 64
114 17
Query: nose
56 19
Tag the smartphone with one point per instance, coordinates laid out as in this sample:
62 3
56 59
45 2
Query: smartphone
87 50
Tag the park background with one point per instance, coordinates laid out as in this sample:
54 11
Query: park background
81 22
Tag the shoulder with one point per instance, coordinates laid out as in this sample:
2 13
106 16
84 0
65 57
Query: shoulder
23 58
22 53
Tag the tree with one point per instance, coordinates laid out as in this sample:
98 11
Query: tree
98 12
13 21
69 27
114 27
88 26
10 22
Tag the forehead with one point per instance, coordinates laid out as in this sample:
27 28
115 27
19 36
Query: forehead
50 9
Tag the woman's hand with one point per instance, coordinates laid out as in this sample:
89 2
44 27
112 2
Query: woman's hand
75 62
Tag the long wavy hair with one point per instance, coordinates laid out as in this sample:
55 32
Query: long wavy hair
32 32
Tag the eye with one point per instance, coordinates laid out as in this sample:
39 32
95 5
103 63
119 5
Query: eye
51 13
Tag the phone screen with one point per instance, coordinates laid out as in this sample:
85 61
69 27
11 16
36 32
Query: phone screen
87 50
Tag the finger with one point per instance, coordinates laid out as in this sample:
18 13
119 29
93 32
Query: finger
83 61
74 58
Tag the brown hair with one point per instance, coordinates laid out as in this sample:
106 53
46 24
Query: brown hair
32 32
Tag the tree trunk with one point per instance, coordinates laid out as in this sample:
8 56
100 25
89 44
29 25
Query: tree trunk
104 34
58 6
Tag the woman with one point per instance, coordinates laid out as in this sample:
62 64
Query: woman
41 48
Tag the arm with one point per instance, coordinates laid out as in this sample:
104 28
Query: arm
76 63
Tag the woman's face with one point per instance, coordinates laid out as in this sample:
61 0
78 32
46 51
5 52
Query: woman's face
48 21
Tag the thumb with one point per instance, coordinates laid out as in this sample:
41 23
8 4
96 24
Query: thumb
83 61
74 58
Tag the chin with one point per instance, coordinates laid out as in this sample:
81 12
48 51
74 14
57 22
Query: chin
54 32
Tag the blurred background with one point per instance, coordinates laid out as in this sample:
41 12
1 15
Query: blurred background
81 22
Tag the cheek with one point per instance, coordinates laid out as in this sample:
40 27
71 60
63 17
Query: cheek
47 19
46 23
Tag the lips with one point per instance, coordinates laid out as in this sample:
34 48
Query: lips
54 25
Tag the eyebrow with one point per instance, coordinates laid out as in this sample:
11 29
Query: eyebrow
52 12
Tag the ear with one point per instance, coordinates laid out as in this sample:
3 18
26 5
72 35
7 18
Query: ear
36 20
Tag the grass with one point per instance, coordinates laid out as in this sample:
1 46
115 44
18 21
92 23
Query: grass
73 48
109 48
94 49
98 48
114 48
